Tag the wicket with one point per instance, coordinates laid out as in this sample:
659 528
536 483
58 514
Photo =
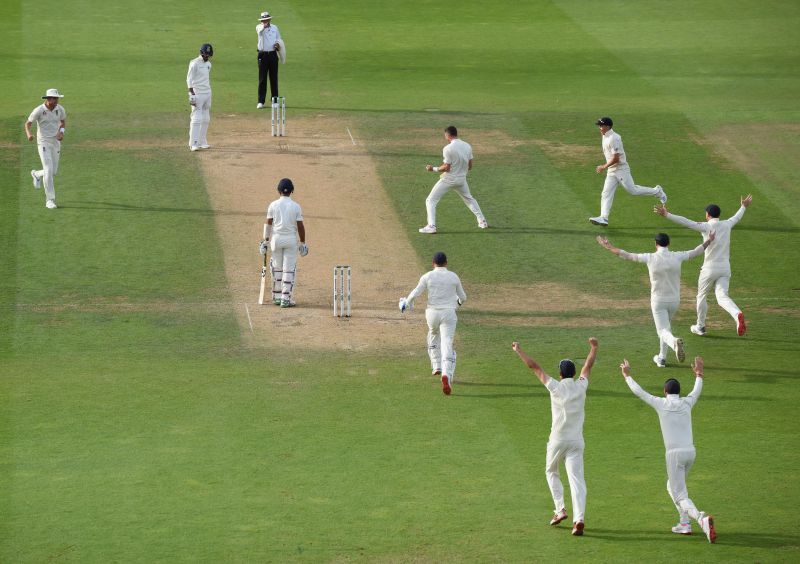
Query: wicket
341 290
278 116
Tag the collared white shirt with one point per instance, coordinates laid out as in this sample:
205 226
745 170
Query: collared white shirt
284 213
674 413
444 289
718 253
457 154
567 399
664 267
48 122
199 75
267 37
612 145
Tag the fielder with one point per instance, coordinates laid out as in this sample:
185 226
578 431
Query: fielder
716 270
445 294
51 123
284 225
618 172
567 399
198 79
457 161
675 417
664 267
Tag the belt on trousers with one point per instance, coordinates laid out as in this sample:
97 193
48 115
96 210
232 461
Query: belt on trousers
265 52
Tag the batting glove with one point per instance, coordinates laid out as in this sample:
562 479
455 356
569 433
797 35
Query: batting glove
192 99
263 246
303 249
404 305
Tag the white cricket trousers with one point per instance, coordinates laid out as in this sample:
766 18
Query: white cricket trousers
441 331
663 312
49 154
614 179
679 462
200 118
719 280
462 189
571 454
284 264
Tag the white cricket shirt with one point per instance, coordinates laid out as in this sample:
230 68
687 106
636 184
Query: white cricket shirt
674 413
718 253
267 37
199 75
664 267
444 289
567 398
284 213
457 154
612 145
47 122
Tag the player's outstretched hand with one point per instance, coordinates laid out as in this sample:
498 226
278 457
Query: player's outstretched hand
515 347
747 200
697 366
625 367
593 342
661 210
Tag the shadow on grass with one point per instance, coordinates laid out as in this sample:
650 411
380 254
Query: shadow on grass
732 538
112 206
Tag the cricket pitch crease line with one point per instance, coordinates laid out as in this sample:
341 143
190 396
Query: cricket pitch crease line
351 135
250 321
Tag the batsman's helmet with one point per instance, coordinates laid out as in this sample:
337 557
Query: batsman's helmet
605 121
207 49
285 186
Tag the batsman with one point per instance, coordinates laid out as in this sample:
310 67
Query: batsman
281 232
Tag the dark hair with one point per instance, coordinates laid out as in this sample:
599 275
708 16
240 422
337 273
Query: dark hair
672 386
566 368
285 186
713 210
662 240
451 130
439 259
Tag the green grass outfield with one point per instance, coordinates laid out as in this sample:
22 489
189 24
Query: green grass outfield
135 426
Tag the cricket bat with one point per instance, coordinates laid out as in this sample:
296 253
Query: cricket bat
263 274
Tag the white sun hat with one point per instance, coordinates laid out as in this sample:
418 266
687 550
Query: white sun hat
265 16
52 93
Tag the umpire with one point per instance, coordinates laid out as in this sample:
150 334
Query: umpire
269 43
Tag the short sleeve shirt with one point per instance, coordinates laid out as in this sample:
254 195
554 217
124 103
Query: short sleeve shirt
47 121
284 213
567 399
612 145
457 154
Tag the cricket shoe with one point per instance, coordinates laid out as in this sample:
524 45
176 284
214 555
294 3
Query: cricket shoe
660 362
483 224
446 389
287 303
37 182
662 196
437 372
598 221
698 330
707 524
50 204
741 328
205 146
680 351
577 529
558 517
682 529
428 229
259 106
276 301
194 148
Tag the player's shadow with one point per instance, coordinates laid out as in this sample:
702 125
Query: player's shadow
114 206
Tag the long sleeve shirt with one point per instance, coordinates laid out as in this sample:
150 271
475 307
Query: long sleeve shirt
444 289
674 413
718 253
199 75
664 267
267 37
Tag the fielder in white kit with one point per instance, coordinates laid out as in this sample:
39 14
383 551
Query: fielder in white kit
51 121
675 417
664 268
445 294
284 226
618 172
457 162
198 80
565 445
716 271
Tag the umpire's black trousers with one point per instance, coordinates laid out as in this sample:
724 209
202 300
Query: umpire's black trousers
267 67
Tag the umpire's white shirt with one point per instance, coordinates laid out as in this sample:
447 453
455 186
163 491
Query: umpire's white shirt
612 145
664 267
674 413
718 253
199 75
284 213
444 289
47 122
267 37
567 399
457 154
